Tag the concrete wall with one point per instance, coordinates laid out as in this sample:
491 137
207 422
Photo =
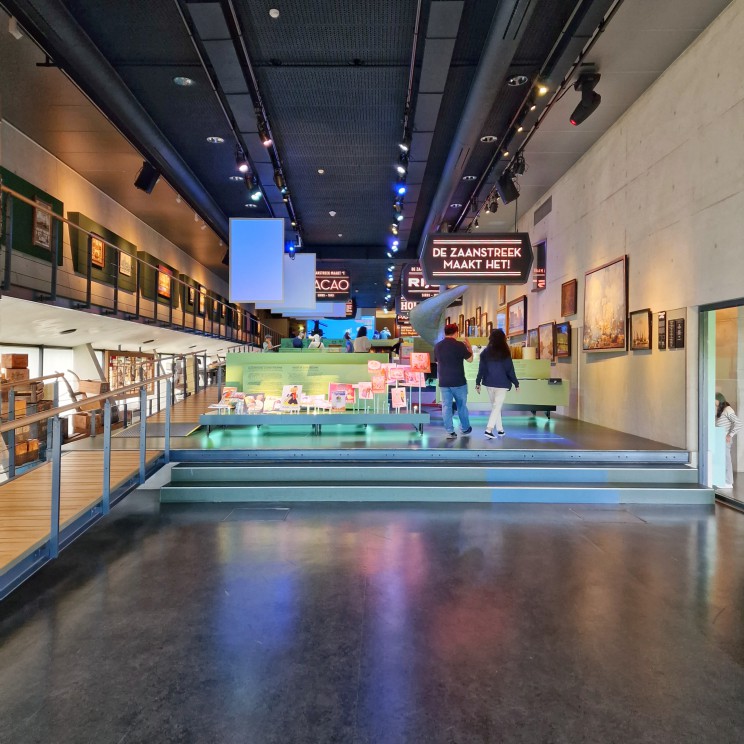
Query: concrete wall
665 185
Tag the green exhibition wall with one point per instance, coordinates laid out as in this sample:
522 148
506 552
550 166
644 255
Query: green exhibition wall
184 291
268 373
23 217
149 279
80 243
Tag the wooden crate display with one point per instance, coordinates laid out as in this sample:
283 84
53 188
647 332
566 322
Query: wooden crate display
11 374
14 361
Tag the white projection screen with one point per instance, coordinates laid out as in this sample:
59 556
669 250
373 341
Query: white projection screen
256 260
299 284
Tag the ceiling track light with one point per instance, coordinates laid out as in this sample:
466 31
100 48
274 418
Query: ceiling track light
241 161
405 143
590 99
519 166
402 166
281 184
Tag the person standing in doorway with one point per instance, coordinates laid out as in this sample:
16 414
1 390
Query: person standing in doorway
727 419
450 353
496 372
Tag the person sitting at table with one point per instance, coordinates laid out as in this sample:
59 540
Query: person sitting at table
297 340
361 343
316 343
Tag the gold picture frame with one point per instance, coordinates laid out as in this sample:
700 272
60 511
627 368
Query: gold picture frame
97 252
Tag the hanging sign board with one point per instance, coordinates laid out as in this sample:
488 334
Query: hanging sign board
415 286
498 258
539 274
332 284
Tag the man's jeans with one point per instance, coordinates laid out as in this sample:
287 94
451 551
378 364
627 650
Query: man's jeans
460 396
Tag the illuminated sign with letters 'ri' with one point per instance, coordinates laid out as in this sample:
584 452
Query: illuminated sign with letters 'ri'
453 258
332 284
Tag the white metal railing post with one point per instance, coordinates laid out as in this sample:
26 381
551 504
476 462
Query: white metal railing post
219 382
166 446
106 499
56 486
143 434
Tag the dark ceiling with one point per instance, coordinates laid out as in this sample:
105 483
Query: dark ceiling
332 79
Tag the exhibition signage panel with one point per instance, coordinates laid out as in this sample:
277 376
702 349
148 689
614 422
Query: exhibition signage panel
299 284
415 286
332 284
499 258
540 274
256 260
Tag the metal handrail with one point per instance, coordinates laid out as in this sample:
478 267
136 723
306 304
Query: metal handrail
19 383
43 415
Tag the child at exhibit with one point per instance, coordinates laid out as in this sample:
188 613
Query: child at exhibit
496 372
726 418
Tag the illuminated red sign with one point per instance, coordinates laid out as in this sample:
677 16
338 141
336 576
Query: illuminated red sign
332 284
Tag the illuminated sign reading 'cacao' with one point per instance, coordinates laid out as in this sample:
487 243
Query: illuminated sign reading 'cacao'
504 258
332 284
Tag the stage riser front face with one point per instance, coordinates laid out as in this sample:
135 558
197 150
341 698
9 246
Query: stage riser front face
392 474
548 494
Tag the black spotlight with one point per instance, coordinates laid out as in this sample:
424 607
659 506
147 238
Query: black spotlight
519 166
506 188
590 99
147 178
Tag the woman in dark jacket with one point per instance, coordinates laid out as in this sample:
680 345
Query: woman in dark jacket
496 372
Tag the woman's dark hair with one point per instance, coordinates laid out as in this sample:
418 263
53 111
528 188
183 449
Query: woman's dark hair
722 404
497 347
362 331
347 336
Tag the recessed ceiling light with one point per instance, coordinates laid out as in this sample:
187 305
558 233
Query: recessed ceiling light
505 153
215 140
252 206
340 235
274 13
516 80
237 178
488 138
321 171
184 82
69 330
332 213
542 89
455 205
469 178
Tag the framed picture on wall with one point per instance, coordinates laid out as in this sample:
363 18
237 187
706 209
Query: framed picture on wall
97 252
42 225
532 338
516 316
447 320
489 329
202 301
501 320
568 298
546 341
191 295
606 307
164 282
502 294
483 323
478 311
640 330
461 324
562 340
125 264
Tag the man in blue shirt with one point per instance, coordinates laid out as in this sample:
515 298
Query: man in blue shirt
297 340
450 353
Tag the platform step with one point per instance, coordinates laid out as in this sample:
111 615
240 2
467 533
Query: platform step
554 493
482 473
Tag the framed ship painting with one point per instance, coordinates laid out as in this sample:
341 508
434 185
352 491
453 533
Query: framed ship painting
606 307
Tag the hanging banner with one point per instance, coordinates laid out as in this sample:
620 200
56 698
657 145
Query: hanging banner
499 258
332 284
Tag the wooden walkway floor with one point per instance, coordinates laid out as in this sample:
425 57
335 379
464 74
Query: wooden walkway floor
25 502
188 411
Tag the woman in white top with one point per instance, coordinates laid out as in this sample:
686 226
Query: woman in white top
727 419
361 342
315 342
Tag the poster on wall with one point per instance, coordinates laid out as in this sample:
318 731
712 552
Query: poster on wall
661 331
125 264
532 340
97 252
606 307
516 316
568 298
640 330
562 340
672 334
42 225
546 341
344 387
164 282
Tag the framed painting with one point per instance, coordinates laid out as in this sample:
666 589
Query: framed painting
42 225
478 312
640 330
568 298
502 294
606 307
202 302
483 324
461 324
562 340
489 329
546 341
164 282
501 320
191 295
125 264
516 316
532 338
97 252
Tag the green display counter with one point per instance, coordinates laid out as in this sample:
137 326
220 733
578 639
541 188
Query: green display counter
269 373
537 390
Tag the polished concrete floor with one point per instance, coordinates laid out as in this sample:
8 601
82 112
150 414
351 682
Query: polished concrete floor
447 624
